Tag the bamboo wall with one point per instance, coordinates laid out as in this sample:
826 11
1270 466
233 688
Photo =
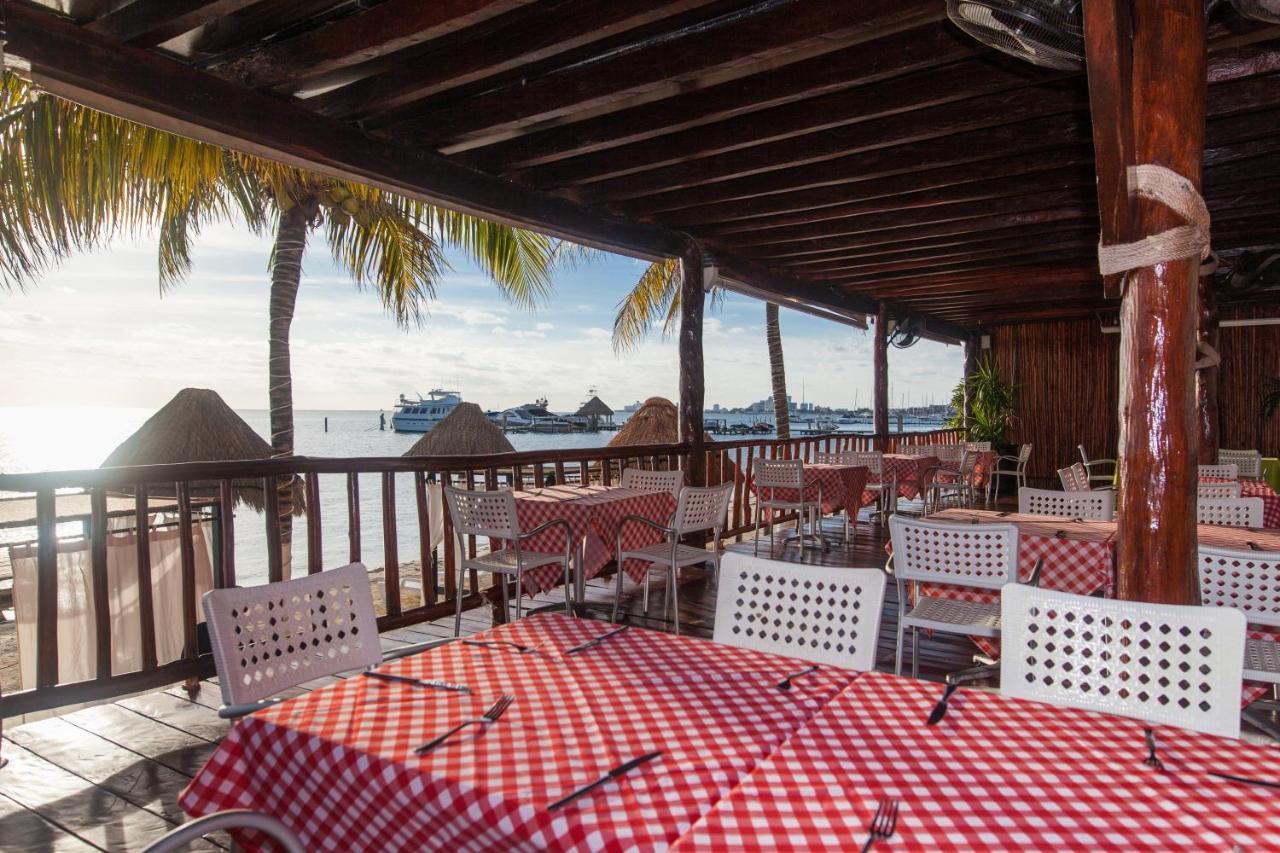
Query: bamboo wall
1067 378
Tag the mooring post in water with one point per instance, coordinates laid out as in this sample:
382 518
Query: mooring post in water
326 424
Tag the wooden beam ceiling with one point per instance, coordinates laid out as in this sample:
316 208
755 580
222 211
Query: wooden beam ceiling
830 151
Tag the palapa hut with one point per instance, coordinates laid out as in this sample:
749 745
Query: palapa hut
197 426
595 411
464 432
658 422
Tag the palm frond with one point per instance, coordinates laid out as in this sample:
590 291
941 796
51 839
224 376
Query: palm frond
655 295
519 262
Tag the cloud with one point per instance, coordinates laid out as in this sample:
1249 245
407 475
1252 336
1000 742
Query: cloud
544 327
468 315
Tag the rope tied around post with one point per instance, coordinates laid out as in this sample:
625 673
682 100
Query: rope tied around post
1167 187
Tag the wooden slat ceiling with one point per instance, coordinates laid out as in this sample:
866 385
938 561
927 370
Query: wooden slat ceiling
867 146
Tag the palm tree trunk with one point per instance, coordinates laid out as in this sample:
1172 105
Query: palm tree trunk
777 373
286 276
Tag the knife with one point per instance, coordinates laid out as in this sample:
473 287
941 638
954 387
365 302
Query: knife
418 682
595 641
940 710
620 770
1246 780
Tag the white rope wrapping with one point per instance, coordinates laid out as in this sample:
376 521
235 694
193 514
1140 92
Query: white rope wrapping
1156 183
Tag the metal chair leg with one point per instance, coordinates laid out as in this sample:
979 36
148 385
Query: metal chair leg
457 594
915 652
617 592
519 597
755 545
897 665
675 596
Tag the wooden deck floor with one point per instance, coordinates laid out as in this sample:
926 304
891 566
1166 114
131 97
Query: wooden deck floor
108 777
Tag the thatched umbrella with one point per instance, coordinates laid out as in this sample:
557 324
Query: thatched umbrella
658 422
464 432
196 426
595 411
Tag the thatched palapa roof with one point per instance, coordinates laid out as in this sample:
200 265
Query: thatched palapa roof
196 426
595 408
658 422
464 432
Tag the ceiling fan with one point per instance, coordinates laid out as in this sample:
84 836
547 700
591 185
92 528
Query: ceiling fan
1050 33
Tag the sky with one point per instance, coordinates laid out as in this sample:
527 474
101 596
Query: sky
96 331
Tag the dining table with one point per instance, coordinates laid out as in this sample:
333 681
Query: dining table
593 514
695 746
910 473
840 486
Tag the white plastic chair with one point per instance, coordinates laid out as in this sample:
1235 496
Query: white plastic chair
1075 478
978 446
825 614
1248 581
196 829
1230 512
949 454
955 482
1162 663
653 481
269 638
773 474
1019 472
493 514
984 556
1089 464
873 461
697 510
1099 505
1247 462
1227 471
917 450
1218 490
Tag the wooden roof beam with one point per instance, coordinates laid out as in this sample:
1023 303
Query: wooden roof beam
146 23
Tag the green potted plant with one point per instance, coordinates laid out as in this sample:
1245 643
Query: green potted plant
1270 405
991 406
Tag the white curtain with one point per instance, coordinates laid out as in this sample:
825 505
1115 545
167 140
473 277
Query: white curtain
77 640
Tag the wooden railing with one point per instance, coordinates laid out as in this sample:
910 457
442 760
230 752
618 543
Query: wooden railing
725 461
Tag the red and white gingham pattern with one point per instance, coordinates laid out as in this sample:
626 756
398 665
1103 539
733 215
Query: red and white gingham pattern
994 774
593 513
336 764
908 470
982 468
841 486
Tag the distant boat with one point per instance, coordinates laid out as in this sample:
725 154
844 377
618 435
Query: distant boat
421 415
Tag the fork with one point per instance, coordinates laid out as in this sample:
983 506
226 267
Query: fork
1152 760
883 823
496 710
497 644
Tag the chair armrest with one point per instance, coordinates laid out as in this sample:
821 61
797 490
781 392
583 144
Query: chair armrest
542 528
669 531
193 830
231 712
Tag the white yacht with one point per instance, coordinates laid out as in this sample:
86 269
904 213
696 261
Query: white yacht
422 414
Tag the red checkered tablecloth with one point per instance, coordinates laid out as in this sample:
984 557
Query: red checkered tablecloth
994 774
982 468
336 764
909 472
840 485
593 513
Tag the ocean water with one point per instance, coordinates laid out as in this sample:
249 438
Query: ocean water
55 438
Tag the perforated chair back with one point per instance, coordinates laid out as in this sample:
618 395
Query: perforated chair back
779 473
872 460
978 446
1218 490
1075 477
979 555
1249 581
822 458
702 508
483 513
1229 512
1024 454
1227 471
1247 462
1163 663
1099 506
825 614
269 638
917 450
653 481
949 453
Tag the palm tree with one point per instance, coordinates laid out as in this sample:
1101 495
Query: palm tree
72 179
657 295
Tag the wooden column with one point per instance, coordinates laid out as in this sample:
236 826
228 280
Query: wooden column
692 298
971 345
1156 541
881 393
1207 377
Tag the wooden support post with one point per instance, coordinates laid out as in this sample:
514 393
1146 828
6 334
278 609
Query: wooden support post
1207 376
1156 540
692 298
881 395
971 345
